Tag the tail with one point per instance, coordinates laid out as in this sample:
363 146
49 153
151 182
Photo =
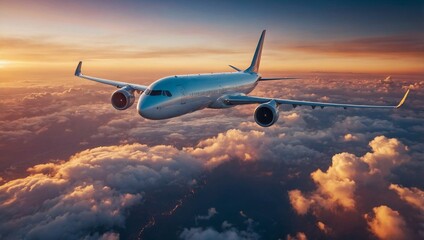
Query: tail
254 66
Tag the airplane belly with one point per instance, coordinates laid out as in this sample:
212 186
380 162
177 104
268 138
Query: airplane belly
177 109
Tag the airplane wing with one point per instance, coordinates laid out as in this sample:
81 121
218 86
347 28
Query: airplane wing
117 84
276 78
244 99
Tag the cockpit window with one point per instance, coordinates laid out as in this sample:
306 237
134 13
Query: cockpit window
156 92
150 92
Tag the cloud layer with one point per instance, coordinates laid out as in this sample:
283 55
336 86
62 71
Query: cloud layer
90 193
345 187
93 190
41 127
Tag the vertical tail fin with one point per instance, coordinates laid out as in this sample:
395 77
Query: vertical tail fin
254 66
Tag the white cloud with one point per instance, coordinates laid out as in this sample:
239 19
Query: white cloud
387 153
232 144
93 189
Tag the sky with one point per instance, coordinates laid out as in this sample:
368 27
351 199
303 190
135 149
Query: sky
146 39
73 167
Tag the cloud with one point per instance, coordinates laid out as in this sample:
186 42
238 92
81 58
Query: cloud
349 137
228 232
304 137
413 196
323 227
386 223
298 236
336 187
352 185
95 188
299 202
232 144
92 190
387 153
211 212
210 233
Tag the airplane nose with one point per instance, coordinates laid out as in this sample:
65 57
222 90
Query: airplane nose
146 108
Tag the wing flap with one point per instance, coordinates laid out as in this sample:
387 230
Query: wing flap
244 99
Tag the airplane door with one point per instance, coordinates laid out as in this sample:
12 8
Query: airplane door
183 94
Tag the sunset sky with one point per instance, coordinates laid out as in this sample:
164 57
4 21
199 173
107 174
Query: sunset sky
73 167
148 39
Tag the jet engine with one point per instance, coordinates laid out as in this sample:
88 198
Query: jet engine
266 114
123 98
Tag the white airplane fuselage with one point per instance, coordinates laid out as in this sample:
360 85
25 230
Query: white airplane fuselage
193 92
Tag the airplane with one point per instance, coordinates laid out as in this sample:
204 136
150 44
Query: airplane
177 95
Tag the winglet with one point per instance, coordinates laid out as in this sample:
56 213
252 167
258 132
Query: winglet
403 99
254 66
78 70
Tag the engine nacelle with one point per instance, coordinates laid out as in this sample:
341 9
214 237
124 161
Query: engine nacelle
123 98
266 114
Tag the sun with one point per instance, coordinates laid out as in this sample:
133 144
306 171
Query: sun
3 63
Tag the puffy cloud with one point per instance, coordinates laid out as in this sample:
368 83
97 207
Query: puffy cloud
349 137
299 202
298 236
387 153
386 223
413 196
336 187
358 183
232 144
